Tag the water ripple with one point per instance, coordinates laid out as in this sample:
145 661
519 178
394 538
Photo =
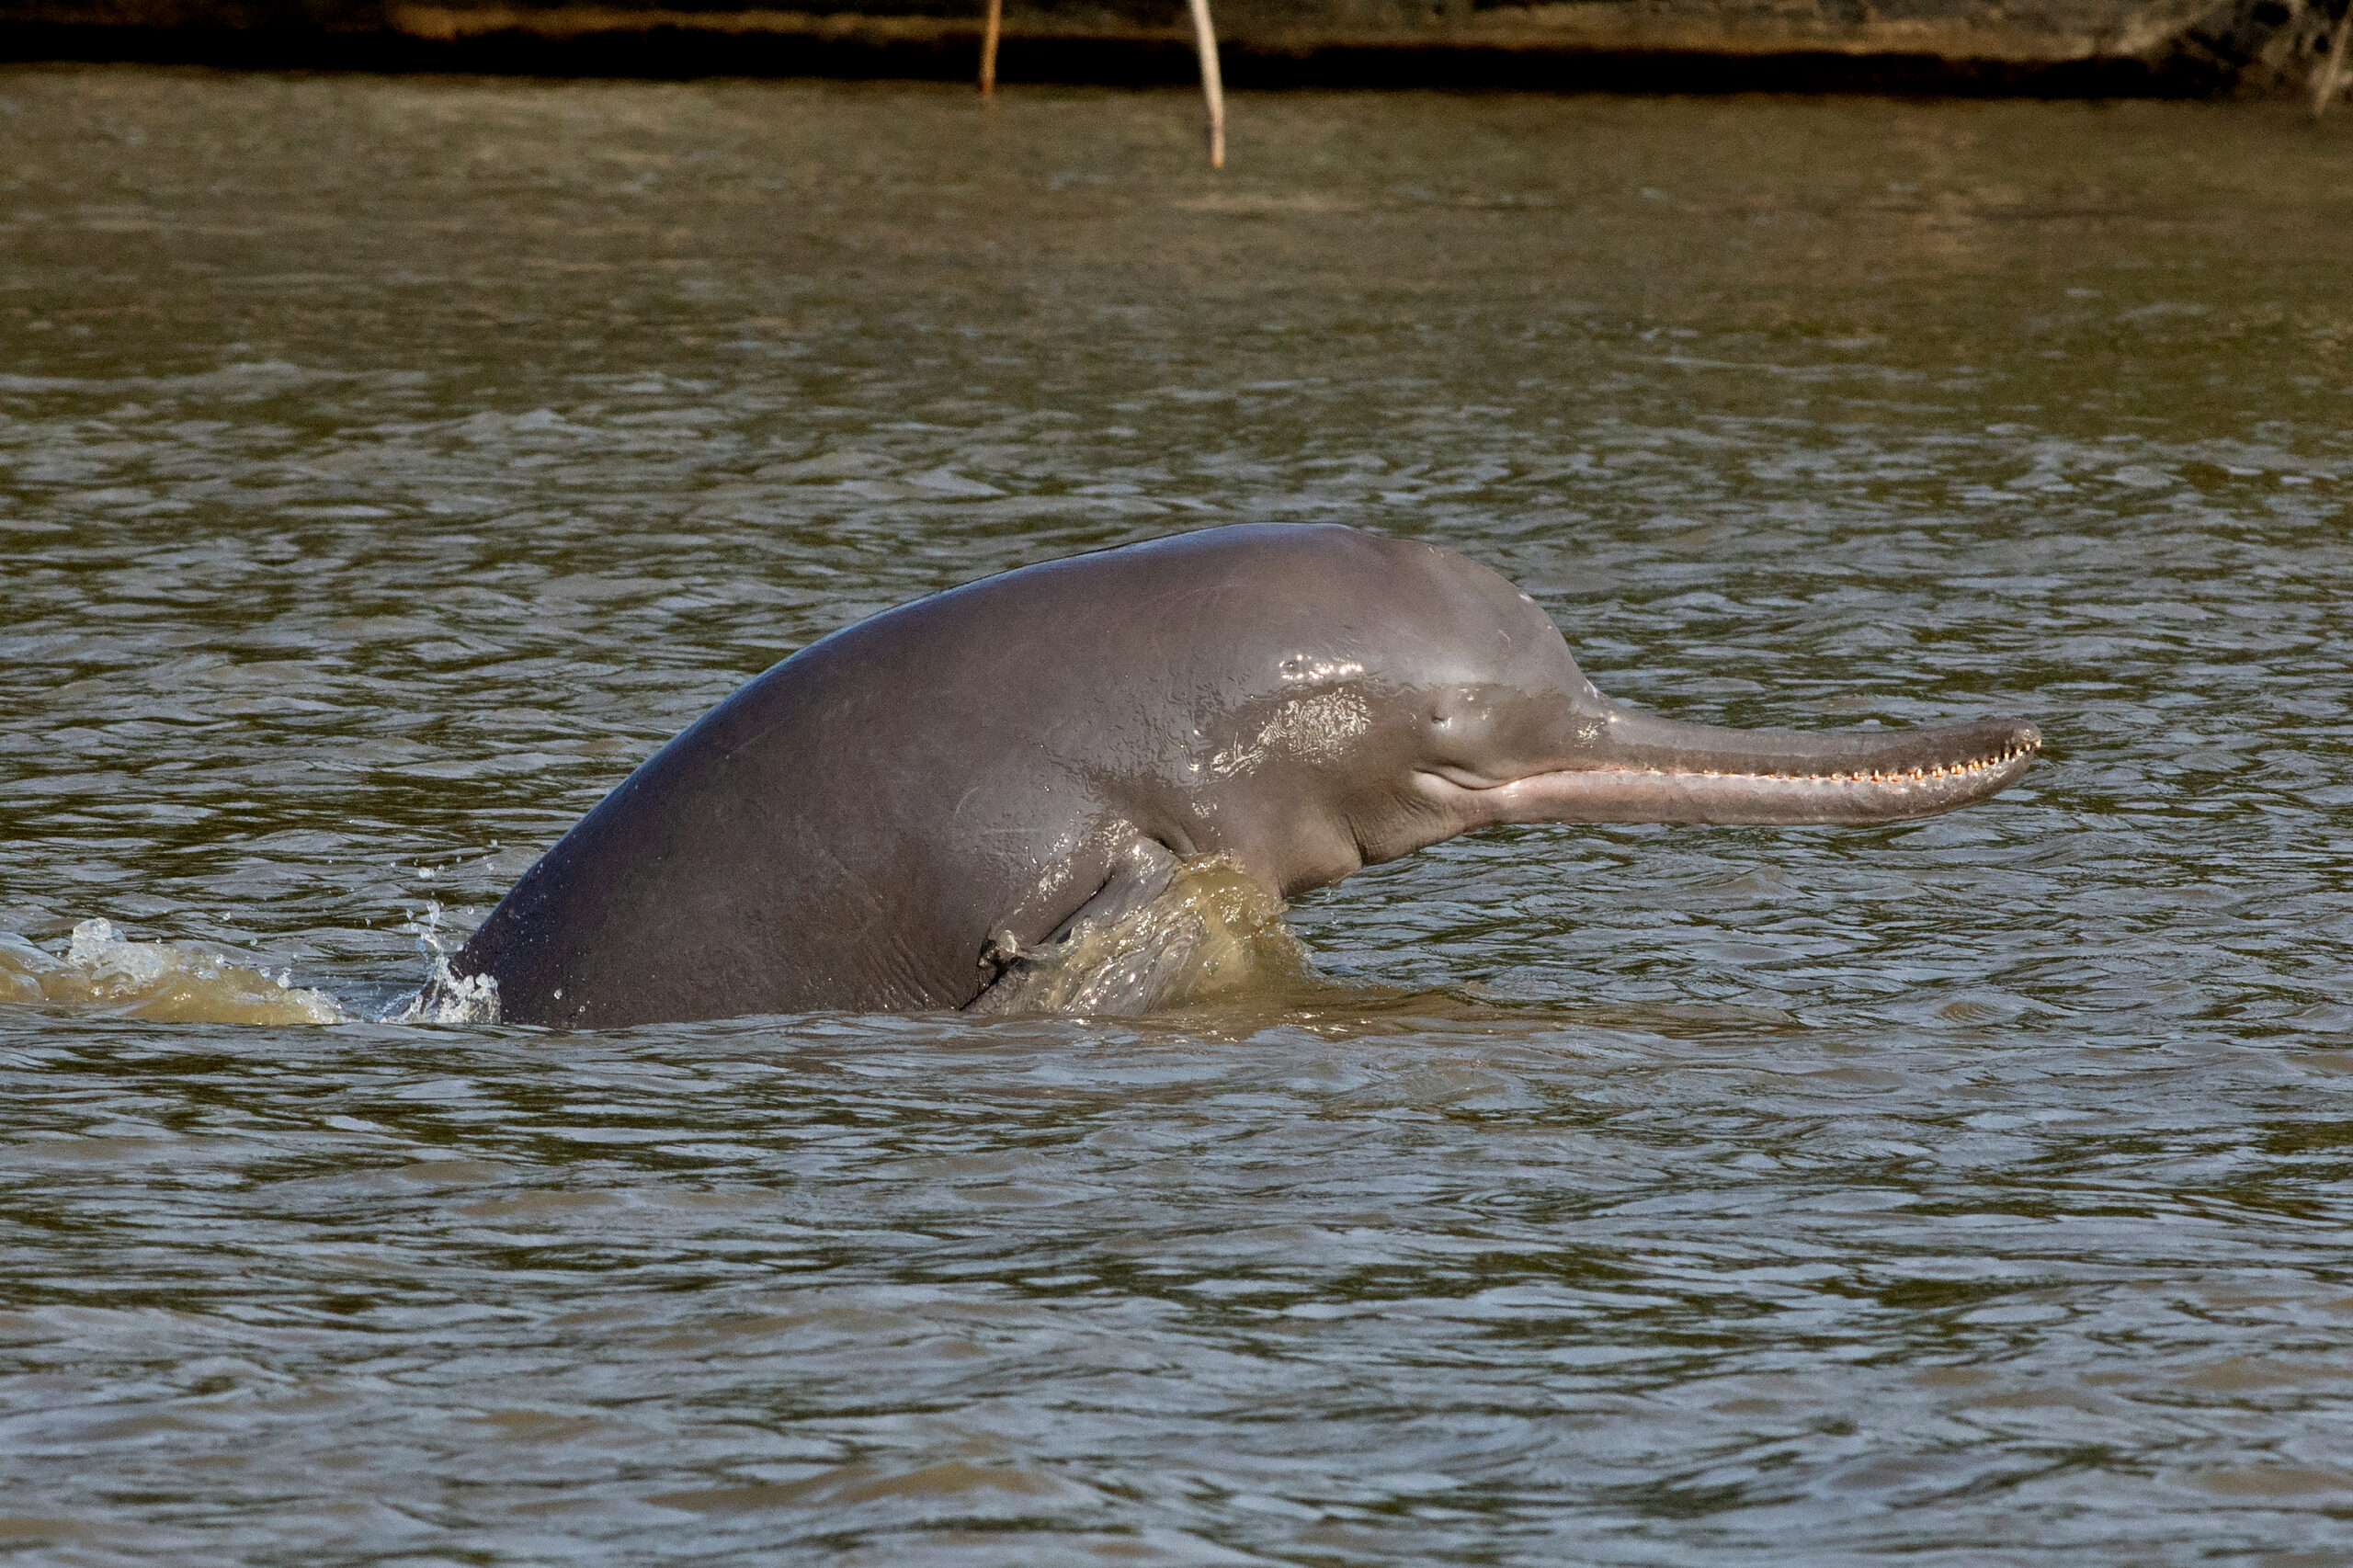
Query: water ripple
385 466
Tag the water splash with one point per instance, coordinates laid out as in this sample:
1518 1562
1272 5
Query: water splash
103 972
446 997
1212 938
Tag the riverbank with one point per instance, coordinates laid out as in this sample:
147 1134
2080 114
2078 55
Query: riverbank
2073 49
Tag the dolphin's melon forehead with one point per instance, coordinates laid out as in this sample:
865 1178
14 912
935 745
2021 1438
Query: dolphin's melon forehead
1241 612
1319 597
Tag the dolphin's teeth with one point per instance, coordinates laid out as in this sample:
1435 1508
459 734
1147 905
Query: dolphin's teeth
1921 775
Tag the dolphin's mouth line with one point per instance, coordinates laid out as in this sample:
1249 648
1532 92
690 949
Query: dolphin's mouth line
1831 790
1879 776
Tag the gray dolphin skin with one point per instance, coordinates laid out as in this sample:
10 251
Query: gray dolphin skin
885 820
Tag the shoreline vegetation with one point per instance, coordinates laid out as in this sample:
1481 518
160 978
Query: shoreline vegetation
1975 48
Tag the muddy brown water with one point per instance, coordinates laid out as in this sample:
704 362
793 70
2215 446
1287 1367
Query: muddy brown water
385 466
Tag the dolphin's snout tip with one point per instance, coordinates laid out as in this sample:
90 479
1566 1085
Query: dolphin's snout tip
1998 738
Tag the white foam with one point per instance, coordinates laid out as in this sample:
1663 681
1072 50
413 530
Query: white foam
449 998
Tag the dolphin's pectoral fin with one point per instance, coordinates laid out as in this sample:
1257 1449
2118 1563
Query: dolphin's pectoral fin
1159 932
1053 976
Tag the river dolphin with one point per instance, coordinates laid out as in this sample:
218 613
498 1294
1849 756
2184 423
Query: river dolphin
889 819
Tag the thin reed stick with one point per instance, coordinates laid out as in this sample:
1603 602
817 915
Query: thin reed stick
989 32
2333 71
1212 83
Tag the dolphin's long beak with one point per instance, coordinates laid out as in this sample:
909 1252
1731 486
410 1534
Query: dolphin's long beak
1637 767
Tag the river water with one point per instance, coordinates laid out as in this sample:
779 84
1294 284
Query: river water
386 466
